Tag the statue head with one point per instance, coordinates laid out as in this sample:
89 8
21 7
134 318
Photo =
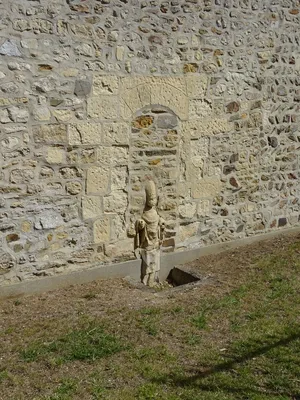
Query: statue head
151 195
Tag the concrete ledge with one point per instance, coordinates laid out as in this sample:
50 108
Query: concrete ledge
131 268
41 285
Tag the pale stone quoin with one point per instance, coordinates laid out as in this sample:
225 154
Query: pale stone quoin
200 97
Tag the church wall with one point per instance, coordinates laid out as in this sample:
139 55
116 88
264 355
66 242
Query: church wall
98 95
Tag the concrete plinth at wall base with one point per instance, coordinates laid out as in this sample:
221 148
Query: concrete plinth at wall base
131 268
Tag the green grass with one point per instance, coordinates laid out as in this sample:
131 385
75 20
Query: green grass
86 344
65 391
237 343
3 375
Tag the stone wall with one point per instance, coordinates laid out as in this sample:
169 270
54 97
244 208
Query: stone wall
98 95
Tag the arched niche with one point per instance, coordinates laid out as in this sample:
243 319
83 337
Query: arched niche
154 154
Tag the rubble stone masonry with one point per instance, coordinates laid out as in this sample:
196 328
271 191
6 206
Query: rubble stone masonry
96 96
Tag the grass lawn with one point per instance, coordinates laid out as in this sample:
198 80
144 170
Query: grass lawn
237 337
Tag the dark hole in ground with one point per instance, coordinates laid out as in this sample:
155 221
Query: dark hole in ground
178 277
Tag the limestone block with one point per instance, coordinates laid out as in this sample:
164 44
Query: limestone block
74 187
204 208
130 82
105 85
22 175
6 262
62 115
71 172
206 127
85 133
70 72
41 113
103 107
195 169
55 155
171 97
136 93
206 188
54 133
116 133
187 210
196 85
97 180
198 154
116 202
87 156
200 148
83 87
183 189
119 155
4 117
10 48
104 155
81 30
26 226
200 109
10 143
46 84
91 207
101 230
18 114
122 250
187 231
119 230
120 51
134 99
49 220
119 178
10 101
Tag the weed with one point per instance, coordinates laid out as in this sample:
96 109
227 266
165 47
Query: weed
193 340
200 320
3 375
150 311
86 344
149 318
177 310
148 392
150 327
65 390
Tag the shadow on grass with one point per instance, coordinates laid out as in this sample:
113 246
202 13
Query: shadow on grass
248 351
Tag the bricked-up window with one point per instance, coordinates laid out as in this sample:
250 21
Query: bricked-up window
154 143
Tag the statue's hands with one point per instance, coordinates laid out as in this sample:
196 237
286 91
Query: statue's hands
162 224
141 224
137 252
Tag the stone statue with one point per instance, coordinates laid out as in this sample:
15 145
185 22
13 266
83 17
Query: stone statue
149 233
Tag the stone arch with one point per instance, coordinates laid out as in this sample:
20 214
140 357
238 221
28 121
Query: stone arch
136 93
154 154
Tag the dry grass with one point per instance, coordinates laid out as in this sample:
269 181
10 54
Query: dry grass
235 338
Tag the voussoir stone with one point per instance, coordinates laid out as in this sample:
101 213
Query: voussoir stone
85 133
